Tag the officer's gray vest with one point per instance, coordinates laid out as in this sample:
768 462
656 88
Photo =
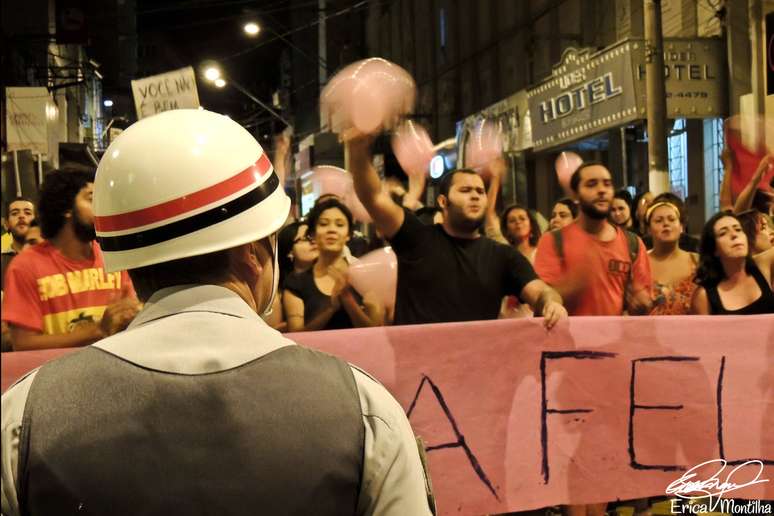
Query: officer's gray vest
282 434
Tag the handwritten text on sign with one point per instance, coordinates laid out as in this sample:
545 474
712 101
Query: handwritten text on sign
601 408
164 92
598 409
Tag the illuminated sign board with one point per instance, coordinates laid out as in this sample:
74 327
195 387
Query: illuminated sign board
590 92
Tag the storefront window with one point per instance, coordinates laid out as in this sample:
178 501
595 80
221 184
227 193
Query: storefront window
678 159
713 166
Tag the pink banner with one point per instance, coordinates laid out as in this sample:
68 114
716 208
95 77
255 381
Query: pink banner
599 409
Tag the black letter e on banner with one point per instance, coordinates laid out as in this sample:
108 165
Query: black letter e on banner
634 406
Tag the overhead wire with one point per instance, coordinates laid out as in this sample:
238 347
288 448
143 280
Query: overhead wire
209 21
357 6
203 5
352 8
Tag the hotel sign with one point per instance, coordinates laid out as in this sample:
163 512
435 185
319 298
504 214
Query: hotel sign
587 93
590 92
695 77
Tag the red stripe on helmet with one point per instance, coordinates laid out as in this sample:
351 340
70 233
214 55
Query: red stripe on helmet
186 203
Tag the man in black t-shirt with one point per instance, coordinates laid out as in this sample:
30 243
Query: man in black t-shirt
448 272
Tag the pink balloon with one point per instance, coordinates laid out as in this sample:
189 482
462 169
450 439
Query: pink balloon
332 108
566 164
413 148
367 107
484 145
377 272
368 95
327 179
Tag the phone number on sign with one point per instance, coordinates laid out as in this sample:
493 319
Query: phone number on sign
688 95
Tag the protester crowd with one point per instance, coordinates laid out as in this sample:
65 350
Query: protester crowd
599 252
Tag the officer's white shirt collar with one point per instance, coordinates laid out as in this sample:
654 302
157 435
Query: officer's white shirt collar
194 329
193 298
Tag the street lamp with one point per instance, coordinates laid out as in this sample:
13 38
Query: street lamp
107 103
251 28
213 74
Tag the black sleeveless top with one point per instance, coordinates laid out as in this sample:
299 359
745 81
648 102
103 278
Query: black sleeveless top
302 284
763 305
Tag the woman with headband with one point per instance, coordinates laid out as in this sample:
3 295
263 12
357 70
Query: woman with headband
731 281
672 268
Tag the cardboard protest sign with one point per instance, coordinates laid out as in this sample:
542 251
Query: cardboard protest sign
27 116
166 91
598 409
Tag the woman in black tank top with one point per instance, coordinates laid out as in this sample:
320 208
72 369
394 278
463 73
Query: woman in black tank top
731 282
321 298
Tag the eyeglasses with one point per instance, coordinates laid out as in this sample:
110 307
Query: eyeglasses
306 238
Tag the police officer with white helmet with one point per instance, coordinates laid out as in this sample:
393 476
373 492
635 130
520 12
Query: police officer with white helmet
199 407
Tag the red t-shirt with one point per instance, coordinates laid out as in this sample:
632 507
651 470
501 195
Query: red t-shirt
50 293
602 267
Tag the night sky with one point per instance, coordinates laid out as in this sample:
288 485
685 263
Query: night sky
194 32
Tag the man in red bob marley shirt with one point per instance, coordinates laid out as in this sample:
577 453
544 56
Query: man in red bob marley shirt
57 293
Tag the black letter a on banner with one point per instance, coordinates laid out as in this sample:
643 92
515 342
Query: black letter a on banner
460 439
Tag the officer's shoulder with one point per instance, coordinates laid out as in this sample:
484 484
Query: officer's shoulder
375 400
356 370
22 384
14 399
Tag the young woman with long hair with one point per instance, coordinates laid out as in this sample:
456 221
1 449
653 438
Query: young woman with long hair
731 281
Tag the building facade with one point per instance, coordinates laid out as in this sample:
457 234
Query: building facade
505 60
52 103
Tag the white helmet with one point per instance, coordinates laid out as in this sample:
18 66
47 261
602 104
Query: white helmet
183 183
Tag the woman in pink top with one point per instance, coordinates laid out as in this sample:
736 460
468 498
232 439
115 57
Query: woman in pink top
522 232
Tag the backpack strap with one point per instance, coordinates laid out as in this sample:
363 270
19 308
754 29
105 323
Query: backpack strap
634 245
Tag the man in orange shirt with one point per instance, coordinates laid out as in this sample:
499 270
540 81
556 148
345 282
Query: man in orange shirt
589 262
57 293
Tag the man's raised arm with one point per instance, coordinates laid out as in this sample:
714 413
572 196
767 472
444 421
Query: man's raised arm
387 216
